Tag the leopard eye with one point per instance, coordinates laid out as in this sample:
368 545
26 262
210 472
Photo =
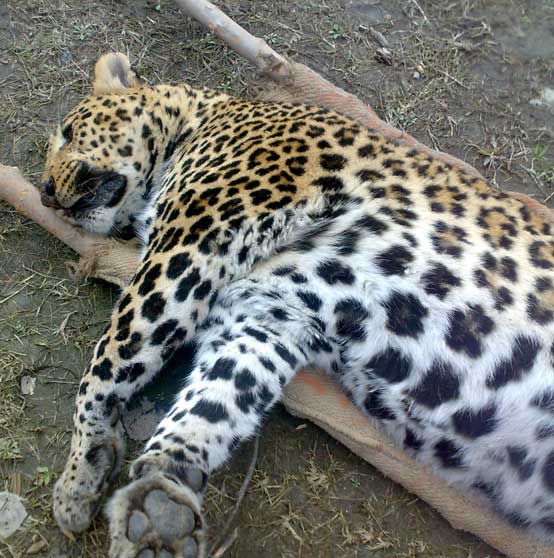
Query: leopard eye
67 134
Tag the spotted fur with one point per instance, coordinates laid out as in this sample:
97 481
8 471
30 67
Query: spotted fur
277 236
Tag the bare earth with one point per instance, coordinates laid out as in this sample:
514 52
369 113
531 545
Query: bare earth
466 76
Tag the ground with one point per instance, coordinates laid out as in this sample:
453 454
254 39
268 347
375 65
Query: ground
466 76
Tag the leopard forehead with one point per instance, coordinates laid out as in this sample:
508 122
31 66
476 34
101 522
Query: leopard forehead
120 131
101 131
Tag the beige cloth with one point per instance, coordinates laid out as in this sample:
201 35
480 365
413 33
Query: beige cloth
315 397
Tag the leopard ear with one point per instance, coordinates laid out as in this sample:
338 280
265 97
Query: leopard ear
113 74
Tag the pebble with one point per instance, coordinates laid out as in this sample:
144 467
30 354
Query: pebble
546 98
13 514
28 385
65 57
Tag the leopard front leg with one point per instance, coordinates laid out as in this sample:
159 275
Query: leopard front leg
96 456
158 311
243 364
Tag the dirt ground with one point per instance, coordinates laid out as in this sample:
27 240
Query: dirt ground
466 76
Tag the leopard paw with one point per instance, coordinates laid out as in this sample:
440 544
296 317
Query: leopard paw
86 478
156 516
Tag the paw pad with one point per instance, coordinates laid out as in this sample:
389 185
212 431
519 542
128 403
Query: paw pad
190 548
196 479
138 525
155 517
170 520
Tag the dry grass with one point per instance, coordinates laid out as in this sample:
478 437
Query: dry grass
455 81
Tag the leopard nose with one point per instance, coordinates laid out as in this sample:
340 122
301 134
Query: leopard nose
48 194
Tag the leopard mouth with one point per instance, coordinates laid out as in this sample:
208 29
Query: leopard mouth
109 189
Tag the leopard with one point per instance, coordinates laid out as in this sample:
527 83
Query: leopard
276 236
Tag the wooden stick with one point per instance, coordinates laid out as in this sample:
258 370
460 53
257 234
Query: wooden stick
102 258
25 198
254 49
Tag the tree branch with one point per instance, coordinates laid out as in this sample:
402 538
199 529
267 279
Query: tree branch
254 49
102 258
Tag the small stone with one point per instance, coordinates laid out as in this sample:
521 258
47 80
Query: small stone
65 57
165 553
546 98
146 553
138 525
190 548
28 385
141 419
13 514
36 547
